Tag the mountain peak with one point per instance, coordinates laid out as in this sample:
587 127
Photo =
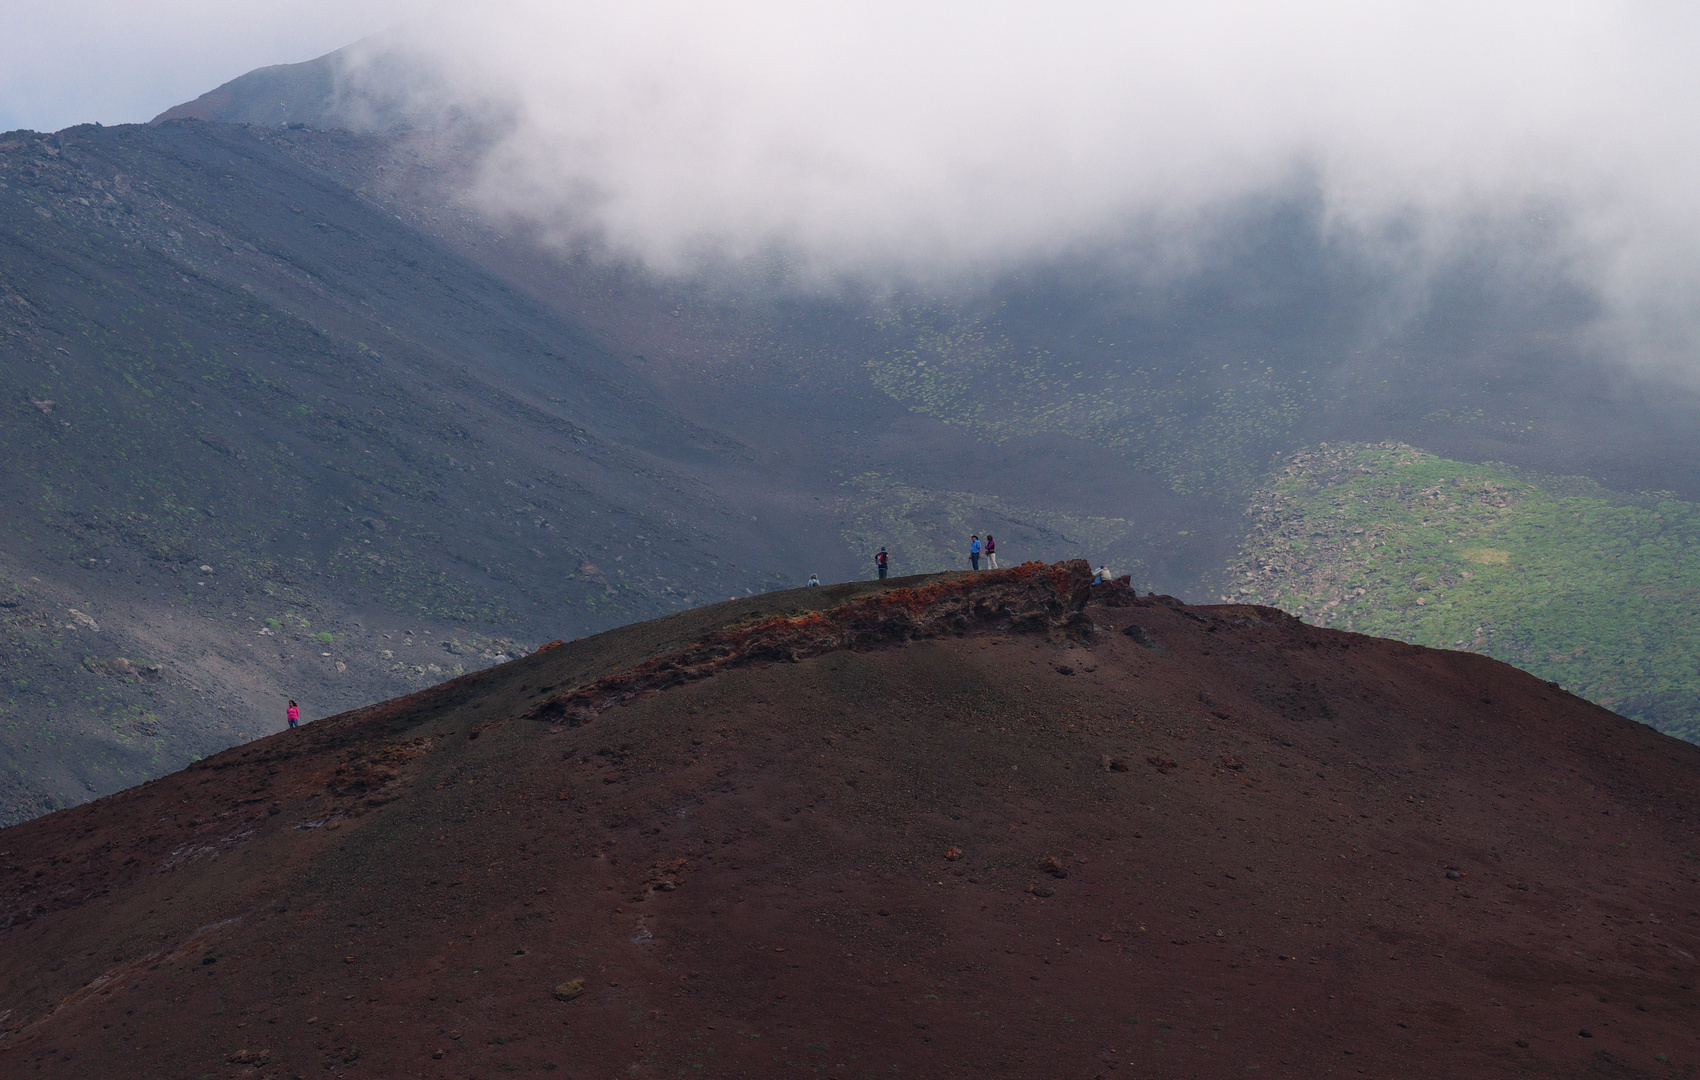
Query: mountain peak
369 87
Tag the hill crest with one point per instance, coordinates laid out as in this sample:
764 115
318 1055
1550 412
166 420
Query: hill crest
1186 840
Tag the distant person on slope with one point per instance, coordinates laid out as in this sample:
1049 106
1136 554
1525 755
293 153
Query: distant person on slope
974 551
814 582
1102 574
294 714
991 553
880 560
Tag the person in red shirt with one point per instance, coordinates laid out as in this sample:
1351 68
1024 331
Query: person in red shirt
880 560
294 714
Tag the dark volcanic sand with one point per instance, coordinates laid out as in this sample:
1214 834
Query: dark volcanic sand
1327 854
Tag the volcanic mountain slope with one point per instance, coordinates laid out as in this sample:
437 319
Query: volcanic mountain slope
1276 336
273 442
1079 386
1007 824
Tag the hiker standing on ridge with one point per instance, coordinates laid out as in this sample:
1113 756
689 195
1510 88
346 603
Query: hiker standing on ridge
880 559
814 582
991 553
974 551
294 714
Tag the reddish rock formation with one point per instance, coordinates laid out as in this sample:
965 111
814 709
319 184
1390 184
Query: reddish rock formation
930 825
1031 597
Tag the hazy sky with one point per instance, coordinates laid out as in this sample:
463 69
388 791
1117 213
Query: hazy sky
65 62
881 138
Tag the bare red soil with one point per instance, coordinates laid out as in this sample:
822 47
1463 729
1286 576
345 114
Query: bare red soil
993 825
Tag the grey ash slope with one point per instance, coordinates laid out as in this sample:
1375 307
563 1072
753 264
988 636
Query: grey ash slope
212 355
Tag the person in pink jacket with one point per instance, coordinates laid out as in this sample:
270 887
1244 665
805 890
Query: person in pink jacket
294 714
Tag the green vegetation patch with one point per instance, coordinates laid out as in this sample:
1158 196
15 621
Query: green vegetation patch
1596 590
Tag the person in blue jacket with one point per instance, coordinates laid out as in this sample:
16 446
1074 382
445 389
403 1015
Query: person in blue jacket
974 551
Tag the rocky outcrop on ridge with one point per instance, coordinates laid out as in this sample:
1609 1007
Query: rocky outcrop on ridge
1030 597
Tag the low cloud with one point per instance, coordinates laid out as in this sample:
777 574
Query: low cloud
928 142
925 141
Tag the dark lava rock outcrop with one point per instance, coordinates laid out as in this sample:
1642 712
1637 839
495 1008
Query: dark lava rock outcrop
1005 824
1029 597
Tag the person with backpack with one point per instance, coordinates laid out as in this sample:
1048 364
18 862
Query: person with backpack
293 713
814 582
974 551
991 553
880 560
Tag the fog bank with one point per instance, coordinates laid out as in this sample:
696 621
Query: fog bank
925 143
887 140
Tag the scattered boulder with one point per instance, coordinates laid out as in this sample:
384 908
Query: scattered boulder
120 668
665 876
1117 593
567 991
